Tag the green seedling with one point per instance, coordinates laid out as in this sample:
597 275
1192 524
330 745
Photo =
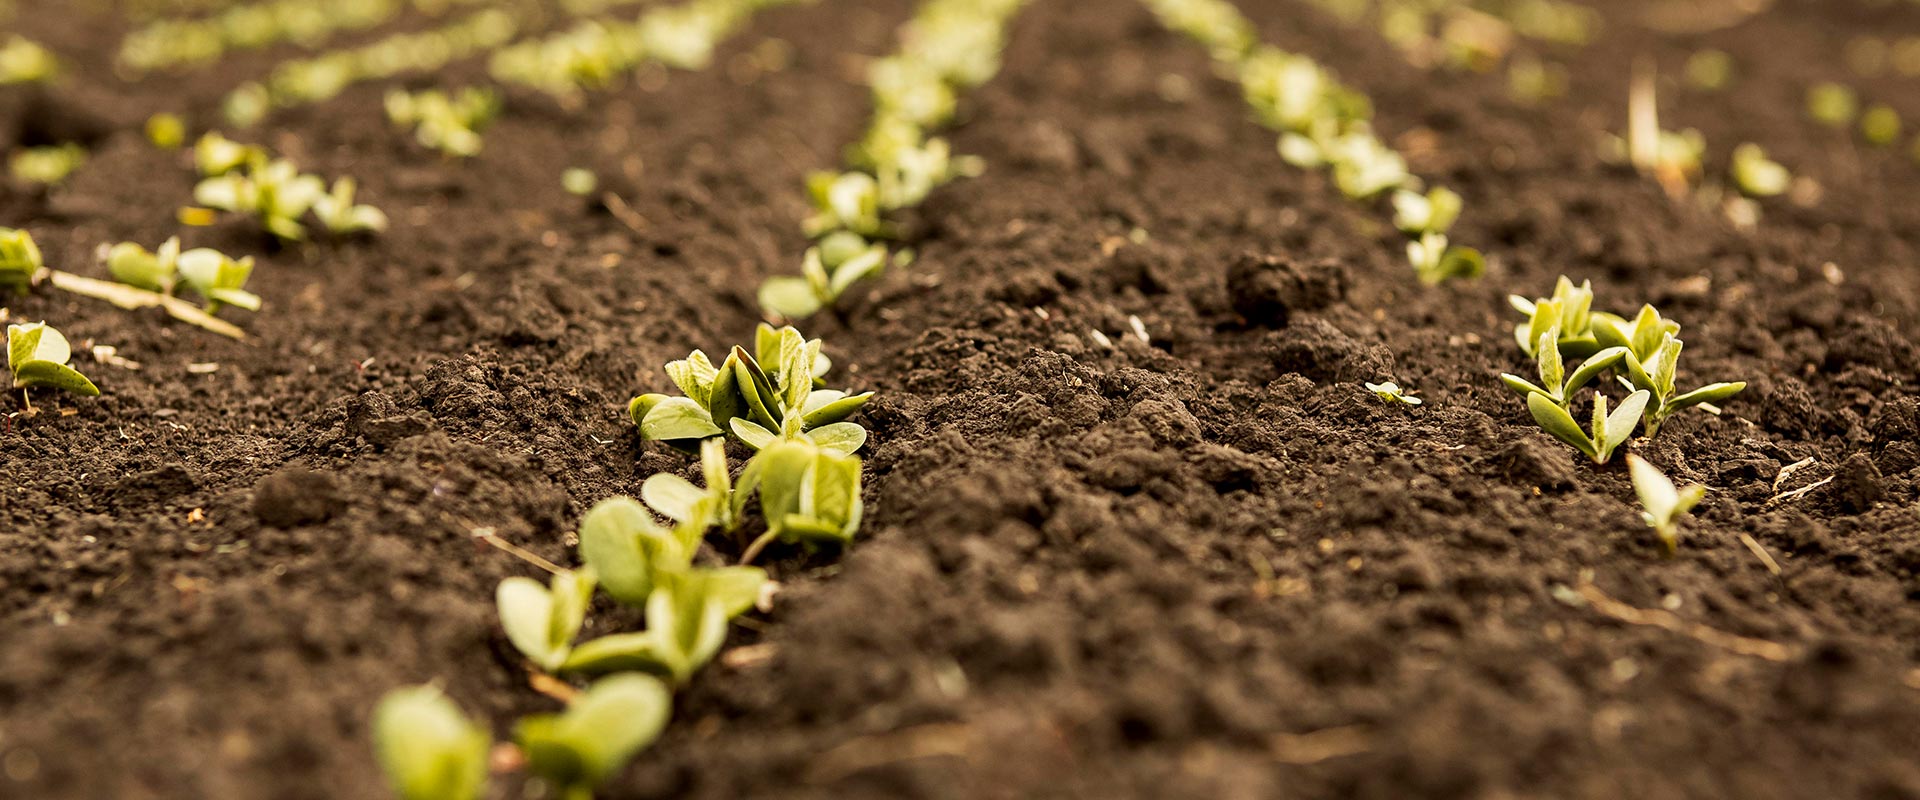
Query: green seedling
1756 175
25 61
20 260
599 732
1570 309
687 614
1555 382
449 124
579 181
1832 105
155 270
1290 92
37 355
1391 393
1881 125
910 90
839 261
46 166
1434 212
913 172
1364 167
1661 502
809 494
1654 374
542 621
848 201
1608 431
743 398
1436 262
276 193
429 749
1671 158
166 131
218 278
341 216
1214 23
216 155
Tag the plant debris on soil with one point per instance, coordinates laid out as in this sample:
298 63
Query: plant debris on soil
1136 527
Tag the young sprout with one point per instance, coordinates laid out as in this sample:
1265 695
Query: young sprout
216 155
1608 431
210 273
845 201
839 261
37 355
579 181
46 166
910 90
1832 104
1672 159
1555 383
1663 504
20 261
1364 167
1653 373
166 131
743 398
449 124
1881 125
1436 262
606 726
340 216
913 172
1570 309
809 494
1434 212
278 195
1391 393
154 271
25 61
1756 175
687 614
430 750
542 621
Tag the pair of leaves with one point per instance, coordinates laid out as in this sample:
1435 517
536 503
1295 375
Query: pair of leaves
1657 375
542 621
1570 308
20 260
839 261
341 216
450 124
216 155
1555 383
687 614
429 749
1608 431
757 406
598 733
212 274
1661 502
275 192
848 201
1436 262
1434 212
37 355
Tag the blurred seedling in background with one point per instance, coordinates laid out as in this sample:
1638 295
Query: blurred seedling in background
46 166
218 278
602 729
1832 105
450 124
1671 158
1755 175
828 269
166 131
1709 70
430 750
25 61
20 260
1661 502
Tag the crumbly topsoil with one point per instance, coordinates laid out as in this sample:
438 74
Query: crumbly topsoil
1206 563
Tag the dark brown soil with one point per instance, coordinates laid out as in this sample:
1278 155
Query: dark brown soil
1209 564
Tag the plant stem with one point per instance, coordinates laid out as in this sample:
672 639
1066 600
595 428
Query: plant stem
753 550
130 297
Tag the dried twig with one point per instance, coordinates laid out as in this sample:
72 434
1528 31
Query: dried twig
131 297
1666 620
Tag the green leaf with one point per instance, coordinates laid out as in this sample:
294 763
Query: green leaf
736 589
1712 393
1591 368
55 376
677 418
1657 494
1552 369
673 496
1620 424
789 296
861 266
605 727
761 401
836 491
826 407
753 435
694 375
625 546
783 475
1521 385
429 749
1556 421
526 612
621 652
844 438
692 625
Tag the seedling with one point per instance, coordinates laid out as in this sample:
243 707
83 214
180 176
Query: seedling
449 124
1555 384
46 166
1435 261
1832 105
1672 159
1608 431
429 749
37 355
276 193
912 172
1214 23
154 271
341 216
211 274
579 181
1363 167
1654 374
1290 92
1756 175
215 155
579 748
743 398
687 615
25 61
1532 81
1661 502
910 90
1570 309
542 621
847 201
809 494
1434 212
839 261
1391 393
20 261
